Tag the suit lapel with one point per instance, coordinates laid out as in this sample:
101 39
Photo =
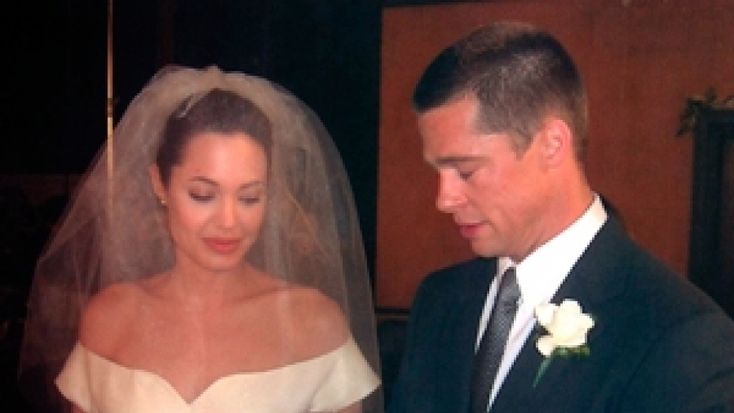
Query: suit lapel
459 330
591 282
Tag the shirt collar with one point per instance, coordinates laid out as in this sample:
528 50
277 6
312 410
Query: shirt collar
542 272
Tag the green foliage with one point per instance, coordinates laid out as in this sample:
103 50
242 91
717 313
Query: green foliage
562 352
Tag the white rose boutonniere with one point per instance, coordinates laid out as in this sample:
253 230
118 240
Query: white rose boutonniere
566 326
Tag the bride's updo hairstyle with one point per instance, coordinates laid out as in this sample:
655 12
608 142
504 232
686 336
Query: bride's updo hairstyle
217 111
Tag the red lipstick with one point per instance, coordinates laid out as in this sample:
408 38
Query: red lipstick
222 245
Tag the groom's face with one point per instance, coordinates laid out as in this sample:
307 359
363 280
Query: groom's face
494 192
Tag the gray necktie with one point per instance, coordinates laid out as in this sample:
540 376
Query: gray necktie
492 346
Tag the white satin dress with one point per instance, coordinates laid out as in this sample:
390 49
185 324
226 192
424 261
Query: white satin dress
325 383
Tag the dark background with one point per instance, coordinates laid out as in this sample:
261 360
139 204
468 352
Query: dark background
53 100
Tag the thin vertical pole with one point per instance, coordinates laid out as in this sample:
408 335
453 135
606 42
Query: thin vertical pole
110 109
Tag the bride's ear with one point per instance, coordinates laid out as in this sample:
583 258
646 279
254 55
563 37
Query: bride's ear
157 183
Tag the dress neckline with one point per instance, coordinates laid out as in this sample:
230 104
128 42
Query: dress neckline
217 381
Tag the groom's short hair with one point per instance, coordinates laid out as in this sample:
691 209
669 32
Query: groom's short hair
518 73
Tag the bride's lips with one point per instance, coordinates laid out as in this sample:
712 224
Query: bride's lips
222 245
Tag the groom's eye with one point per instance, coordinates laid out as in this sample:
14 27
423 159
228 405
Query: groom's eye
465 174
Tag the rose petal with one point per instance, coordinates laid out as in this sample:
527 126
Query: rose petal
588 321
566 324
571 306
545 345
573 341
544 313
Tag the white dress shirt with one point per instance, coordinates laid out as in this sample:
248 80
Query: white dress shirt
539 276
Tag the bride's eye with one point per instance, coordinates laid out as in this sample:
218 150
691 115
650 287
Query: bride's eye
201 196
250 200
251 197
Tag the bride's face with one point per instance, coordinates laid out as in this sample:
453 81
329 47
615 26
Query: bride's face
216 199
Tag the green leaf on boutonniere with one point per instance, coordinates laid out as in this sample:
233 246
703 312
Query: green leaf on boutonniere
541 370
560 352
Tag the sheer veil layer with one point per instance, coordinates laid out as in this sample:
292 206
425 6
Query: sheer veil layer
114 230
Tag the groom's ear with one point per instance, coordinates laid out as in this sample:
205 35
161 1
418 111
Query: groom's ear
556 140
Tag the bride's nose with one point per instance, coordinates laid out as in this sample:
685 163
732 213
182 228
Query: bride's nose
227 213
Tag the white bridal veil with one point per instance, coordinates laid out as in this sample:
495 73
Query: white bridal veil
113 230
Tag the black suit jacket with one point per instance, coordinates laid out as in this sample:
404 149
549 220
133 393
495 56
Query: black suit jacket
658 343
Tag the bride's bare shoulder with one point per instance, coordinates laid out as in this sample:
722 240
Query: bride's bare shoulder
317 317
307 303
108 315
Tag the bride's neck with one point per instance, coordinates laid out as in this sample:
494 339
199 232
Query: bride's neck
198 287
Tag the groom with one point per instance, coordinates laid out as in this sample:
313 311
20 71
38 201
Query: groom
503 119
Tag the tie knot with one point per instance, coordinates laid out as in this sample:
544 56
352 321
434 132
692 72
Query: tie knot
508 292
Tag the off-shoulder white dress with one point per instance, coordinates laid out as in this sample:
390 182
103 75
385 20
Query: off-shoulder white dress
325 383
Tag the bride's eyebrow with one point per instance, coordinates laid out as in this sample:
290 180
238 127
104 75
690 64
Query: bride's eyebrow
253 184
208 181
203 179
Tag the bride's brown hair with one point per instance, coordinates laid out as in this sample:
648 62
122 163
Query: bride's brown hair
215 111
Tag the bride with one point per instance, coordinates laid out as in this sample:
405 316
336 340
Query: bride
211 261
